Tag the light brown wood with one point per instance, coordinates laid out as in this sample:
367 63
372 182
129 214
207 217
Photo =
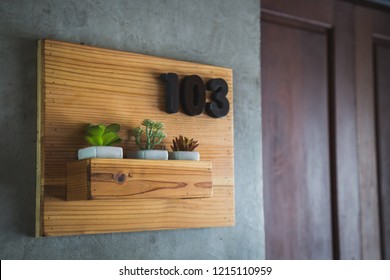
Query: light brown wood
100 216
135 179
78 184
83 84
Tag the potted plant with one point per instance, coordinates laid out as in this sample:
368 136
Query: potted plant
153 137
183 149
101 137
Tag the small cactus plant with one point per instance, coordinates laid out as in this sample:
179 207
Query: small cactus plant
153 132
182 143
101 135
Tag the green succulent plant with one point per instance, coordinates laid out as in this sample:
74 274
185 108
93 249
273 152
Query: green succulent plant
101 135
182 143
153 132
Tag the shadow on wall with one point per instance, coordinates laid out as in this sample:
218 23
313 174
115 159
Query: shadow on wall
18 123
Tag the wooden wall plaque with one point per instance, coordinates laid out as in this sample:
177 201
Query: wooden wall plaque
80 84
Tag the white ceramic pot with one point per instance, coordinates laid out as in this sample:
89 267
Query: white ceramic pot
148 154
184 155
100 152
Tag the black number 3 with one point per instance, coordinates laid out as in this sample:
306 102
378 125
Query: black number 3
219 107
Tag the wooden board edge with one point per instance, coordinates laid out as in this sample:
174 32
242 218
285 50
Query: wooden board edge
121 51
229 221
231 111
91 232
39 166
166 163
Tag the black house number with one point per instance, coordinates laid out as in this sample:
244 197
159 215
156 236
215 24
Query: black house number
192 95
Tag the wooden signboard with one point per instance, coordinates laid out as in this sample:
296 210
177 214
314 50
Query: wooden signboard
78 85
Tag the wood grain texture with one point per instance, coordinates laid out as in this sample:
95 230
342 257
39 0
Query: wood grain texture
83 84
297 191
382 67
354 34
347 192
78 182
101 216
365 102
135 179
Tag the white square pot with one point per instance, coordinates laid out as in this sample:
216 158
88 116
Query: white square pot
100 152
184 155
149 154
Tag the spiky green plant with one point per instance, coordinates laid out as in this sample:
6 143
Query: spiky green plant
153 132
101 135
182 143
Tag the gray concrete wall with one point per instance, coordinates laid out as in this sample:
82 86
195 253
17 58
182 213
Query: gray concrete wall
219 32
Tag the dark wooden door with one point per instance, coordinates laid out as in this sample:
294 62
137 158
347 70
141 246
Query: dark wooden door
372 61
296 139
319 142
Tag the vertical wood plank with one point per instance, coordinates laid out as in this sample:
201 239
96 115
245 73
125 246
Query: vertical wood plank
381 35
365 99
297 194
382 62
348 198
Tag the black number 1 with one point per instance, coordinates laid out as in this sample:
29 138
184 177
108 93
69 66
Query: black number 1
172 92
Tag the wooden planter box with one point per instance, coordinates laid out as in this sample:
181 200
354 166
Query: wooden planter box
126 178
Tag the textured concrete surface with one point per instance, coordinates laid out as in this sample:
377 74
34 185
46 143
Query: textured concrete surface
218 32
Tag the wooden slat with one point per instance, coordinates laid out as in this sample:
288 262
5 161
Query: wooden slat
382 100
83 84
102 216
347 243
365 106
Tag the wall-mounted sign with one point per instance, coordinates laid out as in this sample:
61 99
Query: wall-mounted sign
79 84
192 95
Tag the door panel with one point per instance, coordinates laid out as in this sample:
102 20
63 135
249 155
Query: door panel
345 158
296 140
368 180
326 129
311 56
372 28
382 67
